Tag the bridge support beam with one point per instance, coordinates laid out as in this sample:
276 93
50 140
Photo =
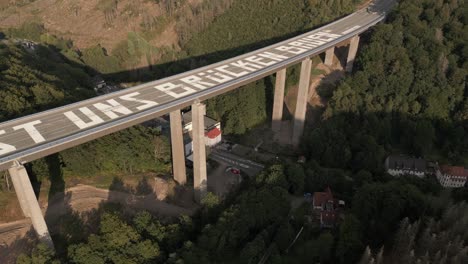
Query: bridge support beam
29 204
329 55
277 114
353 47
178 149
301 103
200 183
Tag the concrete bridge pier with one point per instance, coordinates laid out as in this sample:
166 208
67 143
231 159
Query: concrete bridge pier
301 103
28 202
353 47
278 102
200 183
329 55
178 150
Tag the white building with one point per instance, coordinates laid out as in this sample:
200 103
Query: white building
452 176
402 165
213 135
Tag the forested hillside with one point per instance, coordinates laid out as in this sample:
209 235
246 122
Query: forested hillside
407 95
414 65
35 81
429 241
250 24
112 35
408 92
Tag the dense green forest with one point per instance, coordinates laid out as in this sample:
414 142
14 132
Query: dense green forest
134 150
35 81
407 95
428 241
408 92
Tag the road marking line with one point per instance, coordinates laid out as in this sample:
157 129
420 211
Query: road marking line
350 30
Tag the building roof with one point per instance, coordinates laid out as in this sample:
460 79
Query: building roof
406 163
213 133
321 198
209 122
454 170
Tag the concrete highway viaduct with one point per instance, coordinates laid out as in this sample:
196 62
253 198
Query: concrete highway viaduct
32 137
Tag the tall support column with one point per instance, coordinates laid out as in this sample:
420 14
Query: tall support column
329 55
178 149
353 47
28 202
277 114
200 183
301 104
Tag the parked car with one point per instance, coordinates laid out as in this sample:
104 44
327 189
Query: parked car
233 170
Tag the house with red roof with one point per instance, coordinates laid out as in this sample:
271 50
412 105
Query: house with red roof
326 208
213 133
452 176
213 137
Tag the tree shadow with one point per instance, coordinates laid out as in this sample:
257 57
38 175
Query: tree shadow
144 197
66 225
144 187
57 183
119 186
328 84
341 52
53 172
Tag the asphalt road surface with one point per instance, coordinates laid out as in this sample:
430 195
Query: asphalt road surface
246 166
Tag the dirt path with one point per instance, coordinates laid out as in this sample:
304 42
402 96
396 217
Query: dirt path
16 229
85 198
15 238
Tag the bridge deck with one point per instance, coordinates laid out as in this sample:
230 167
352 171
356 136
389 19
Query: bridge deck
35 136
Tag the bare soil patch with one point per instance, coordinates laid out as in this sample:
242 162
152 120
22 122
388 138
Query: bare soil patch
84 22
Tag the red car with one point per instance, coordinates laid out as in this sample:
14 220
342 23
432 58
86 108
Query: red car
233 170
